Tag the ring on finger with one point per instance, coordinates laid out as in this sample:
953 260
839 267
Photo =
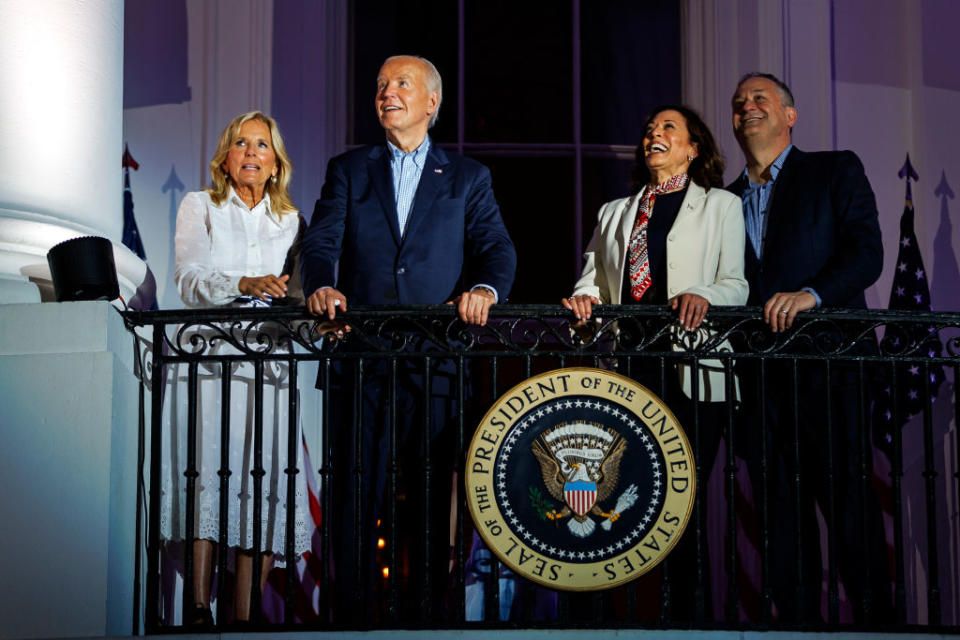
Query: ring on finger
784 311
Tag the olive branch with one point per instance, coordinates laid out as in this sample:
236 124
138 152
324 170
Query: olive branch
540 504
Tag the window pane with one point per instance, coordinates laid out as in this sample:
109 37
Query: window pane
536 201
518 68
425 28
631 63
604 179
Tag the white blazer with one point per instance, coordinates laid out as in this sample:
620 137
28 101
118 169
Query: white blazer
705 251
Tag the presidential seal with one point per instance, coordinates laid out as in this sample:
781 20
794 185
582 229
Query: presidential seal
580 479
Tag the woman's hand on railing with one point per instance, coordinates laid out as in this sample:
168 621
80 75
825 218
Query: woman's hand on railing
264 287
691 309
582 307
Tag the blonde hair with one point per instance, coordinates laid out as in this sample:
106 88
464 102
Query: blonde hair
280 200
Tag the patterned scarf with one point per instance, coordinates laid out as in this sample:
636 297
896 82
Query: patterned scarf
637 250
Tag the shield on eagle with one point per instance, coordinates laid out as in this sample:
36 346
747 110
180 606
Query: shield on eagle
580 496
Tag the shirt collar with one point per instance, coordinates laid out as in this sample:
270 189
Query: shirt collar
419 154
265 201
774 168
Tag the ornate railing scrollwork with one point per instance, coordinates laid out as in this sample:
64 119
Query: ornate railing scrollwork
547 329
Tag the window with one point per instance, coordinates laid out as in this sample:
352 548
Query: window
549 95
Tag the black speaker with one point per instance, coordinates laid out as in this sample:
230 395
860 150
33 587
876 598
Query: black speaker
83 269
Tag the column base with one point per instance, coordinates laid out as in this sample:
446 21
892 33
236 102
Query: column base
25 239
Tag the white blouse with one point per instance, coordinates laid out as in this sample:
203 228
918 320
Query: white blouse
216 245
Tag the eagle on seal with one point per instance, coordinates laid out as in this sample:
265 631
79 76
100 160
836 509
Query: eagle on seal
580 465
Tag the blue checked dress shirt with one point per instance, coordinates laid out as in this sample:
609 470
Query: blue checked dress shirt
406 169
756 208
756 203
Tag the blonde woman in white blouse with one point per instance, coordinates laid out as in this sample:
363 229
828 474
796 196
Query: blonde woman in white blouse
232 242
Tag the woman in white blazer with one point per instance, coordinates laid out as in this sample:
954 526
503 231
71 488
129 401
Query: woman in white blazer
677 241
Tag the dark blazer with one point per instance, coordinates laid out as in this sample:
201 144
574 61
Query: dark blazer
455 237
822 232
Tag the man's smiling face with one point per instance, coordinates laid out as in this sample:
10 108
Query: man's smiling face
759 113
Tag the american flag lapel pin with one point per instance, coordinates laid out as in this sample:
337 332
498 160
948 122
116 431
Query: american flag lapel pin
438 170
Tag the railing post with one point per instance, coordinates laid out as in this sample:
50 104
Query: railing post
152 612
293 469
730 473
930 485
226 382
141 455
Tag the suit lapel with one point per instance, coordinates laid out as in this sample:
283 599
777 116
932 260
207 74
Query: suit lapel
378 166
780 209
737 187
627 220
436 174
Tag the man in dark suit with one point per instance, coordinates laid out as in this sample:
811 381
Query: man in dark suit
813 241
397 224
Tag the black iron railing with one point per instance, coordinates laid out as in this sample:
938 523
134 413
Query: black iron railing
428 378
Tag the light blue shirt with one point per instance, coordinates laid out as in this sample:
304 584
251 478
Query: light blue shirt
406 169
756 208
756 203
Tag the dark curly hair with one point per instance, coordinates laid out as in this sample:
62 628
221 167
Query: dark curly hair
706 169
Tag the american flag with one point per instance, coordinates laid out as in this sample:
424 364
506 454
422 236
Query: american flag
131 235
910 292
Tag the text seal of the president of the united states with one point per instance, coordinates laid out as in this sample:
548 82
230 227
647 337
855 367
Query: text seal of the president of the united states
580 479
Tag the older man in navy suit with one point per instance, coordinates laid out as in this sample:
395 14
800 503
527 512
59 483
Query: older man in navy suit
813 241
396 224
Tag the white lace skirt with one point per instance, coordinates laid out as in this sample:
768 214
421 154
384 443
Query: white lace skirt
240 494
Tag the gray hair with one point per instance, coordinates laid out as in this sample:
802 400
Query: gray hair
434 82
786 96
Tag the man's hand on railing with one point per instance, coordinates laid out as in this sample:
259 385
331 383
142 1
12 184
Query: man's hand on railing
326 300
331 329
474 306
783 307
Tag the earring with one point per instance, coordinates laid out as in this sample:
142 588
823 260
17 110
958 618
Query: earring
273 179
690 158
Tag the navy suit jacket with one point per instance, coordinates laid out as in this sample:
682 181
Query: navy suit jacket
822 232
455 237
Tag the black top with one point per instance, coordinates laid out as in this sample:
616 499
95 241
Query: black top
665 209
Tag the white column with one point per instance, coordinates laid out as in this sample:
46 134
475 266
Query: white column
61 69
